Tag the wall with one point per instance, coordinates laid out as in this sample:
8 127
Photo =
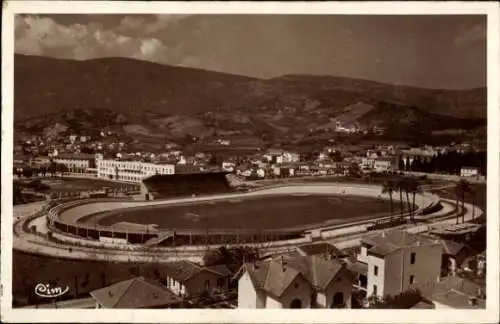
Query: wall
247 296
341 283
303 292
379 279
196 285
273 303
427 267
115 240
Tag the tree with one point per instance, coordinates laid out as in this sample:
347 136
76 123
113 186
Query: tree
400 184
462 188
414 189
354 170
389 188
17 194
339 169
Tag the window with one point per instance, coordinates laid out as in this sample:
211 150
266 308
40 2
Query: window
296 303
207 285
374 289
220 282
338 300
375 270
413 258
412 280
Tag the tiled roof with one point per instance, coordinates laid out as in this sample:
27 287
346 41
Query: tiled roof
423 305
453 291
452 248
458 300
389 242
182 271
320 248
276 275
134 293
221 269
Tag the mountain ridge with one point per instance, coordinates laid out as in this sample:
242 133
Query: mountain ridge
174 102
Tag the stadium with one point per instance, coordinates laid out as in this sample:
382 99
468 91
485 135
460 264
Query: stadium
205 209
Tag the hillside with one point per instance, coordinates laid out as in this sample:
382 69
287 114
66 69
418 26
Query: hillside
150 101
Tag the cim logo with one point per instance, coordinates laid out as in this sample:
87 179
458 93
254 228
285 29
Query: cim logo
46 291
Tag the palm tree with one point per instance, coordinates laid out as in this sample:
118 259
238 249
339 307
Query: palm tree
414 188
389 187
402 187
461 189
473 195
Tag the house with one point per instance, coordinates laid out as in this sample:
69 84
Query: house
295 282
453 292
382 164
280 156
186 278
135 293
398 259
468 172
454 255
367 163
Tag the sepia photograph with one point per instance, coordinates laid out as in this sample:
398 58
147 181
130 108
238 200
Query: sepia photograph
210 157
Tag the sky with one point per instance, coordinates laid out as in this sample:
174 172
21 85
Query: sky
426 51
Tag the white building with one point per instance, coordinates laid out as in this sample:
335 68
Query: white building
228 166
295 282
469 172
398 259
133 171
280 156
367 163
76 162
382 165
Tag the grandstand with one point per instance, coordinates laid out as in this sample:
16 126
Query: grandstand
161 186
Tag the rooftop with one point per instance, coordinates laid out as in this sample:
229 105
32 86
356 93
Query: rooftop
389 242
182 271
276 275
135 293
321 248
452 291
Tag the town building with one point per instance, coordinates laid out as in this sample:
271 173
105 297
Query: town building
383 164
469 172
395 260
454 256
295 282
78 163
367 163
278 156
132 171
186 278
135 293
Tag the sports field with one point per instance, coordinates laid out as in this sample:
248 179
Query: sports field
257 213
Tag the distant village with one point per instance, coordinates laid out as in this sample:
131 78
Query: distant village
107 157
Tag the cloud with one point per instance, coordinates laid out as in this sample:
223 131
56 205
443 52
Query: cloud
471 35
36 35
148 26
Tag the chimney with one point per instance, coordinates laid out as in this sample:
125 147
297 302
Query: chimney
383 233
283 263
